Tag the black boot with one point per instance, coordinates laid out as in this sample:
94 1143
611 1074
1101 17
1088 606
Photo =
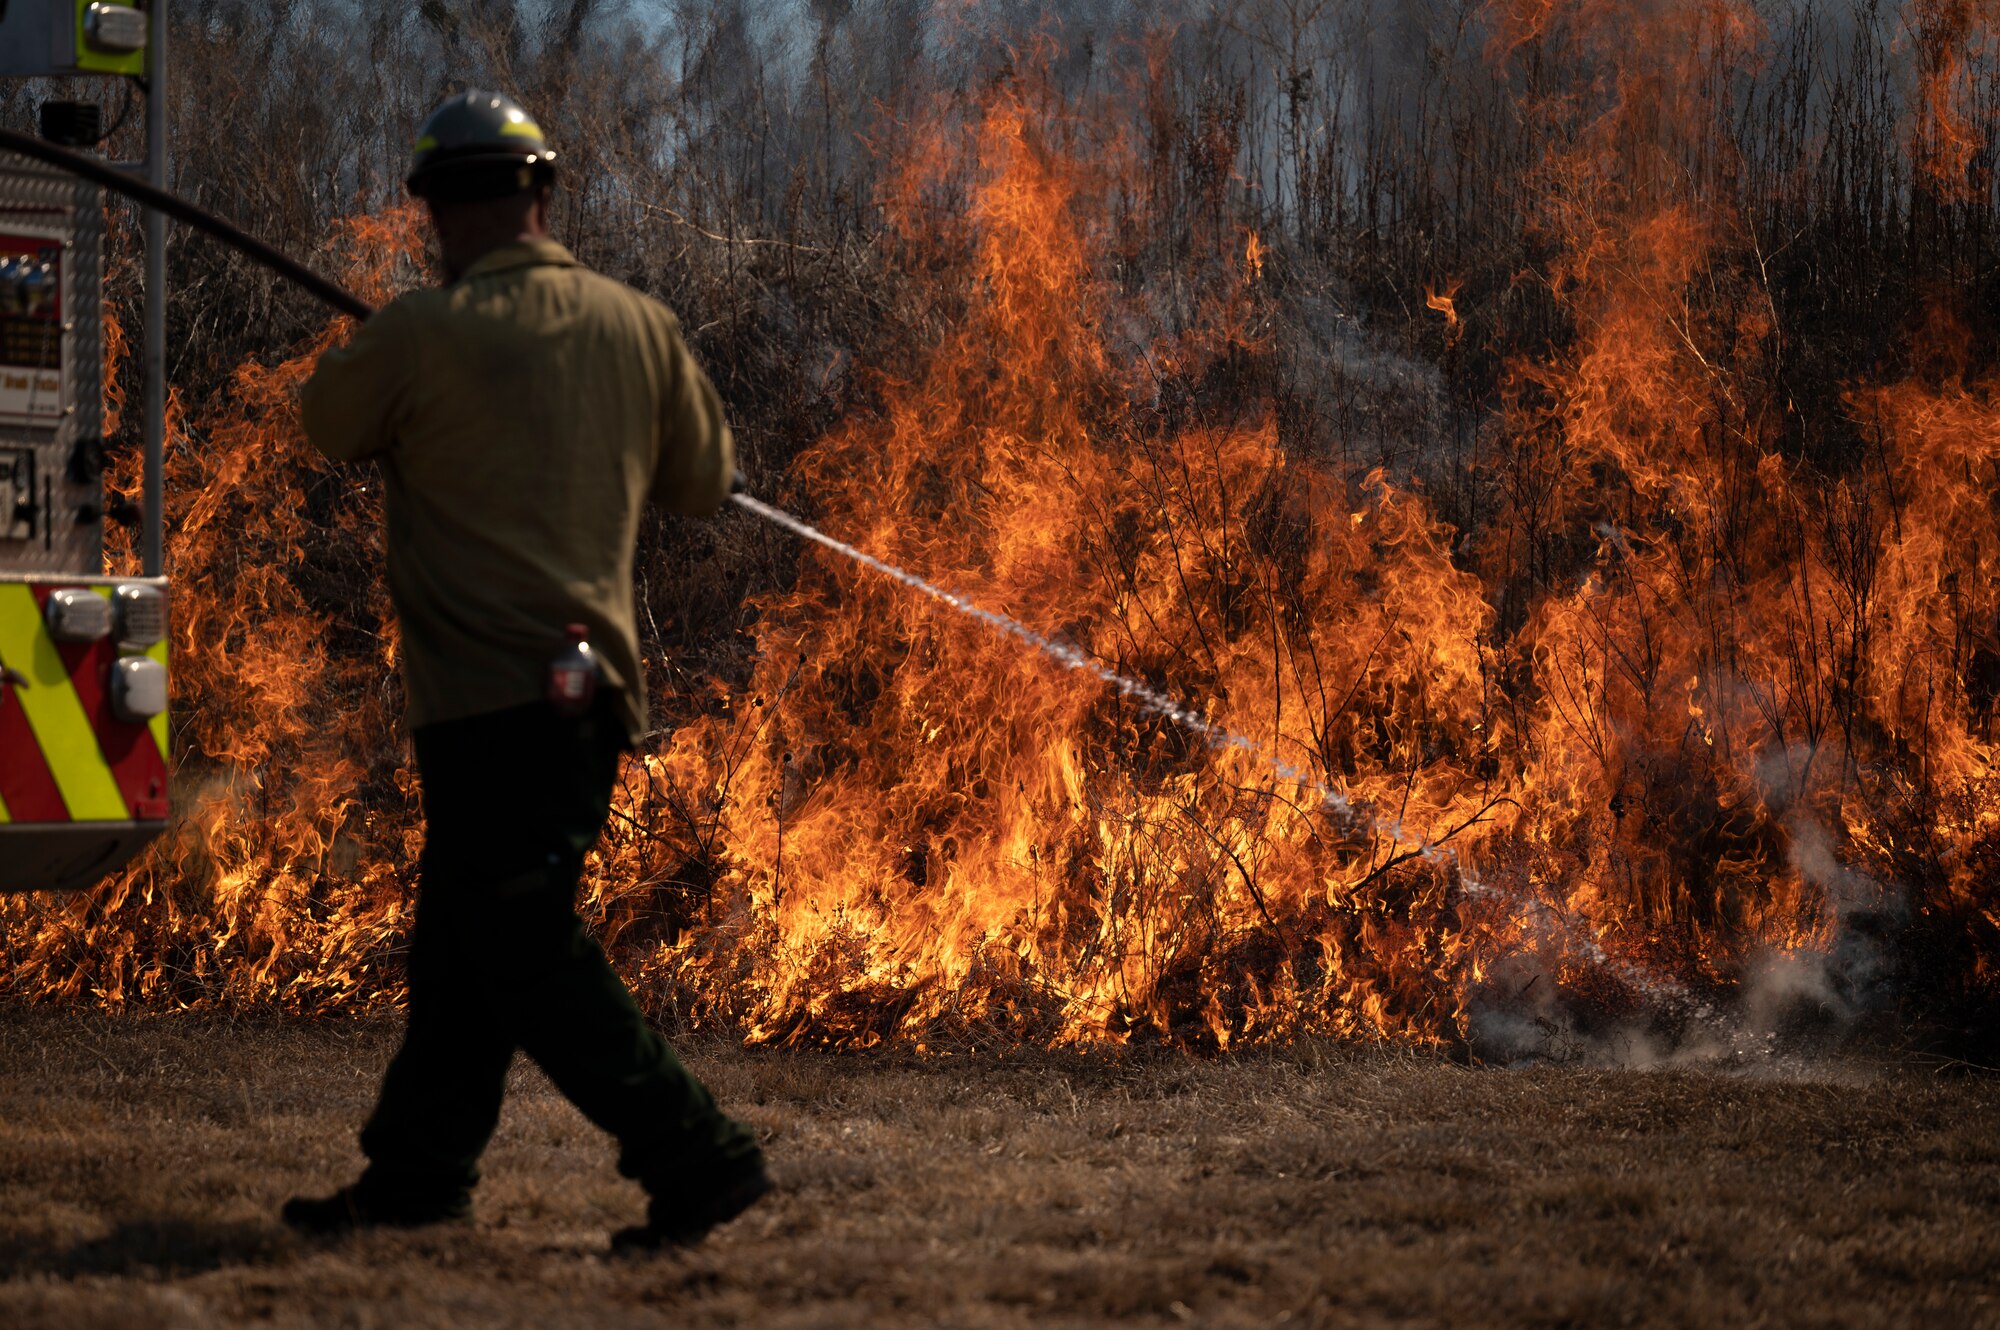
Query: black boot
685 1218
361 1206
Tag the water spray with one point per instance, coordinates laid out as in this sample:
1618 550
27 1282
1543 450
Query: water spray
1223 740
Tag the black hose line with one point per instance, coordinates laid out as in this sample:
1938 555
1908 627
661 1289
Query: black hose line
172 205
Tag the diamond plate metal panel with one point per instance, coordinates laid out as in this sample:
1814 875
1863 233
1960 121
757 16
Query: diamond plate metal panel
49 454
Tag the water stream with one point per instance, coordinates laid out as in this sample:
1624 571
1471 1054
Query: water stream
1221 739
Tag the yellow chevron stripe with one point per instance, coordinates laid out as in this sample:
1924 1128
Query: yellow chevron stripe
5 816
158 724
55 713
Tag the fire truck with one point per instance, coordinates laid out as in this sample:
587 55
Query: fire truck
84 741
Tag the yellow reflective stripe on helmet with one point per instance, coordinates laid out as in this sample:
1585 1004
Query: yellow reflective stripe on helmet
426 143
55 713
158 724
522 129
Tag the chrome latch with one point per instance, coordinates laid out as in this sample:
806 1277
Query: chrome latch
138 689
114 29
142 614
76 615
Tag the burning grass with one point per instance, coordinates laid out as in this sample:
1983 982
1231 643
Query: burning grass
1308 1185
1659 704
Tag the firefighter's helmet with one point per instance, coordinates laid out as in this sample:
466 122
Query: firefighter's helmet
479 145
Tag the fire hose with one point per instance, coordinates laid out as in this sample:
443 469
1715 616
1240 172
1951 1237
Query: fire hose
346 302
1218 738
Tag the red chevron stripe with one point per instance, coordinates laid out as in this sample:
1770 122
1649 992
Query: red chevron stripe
128 749
26 782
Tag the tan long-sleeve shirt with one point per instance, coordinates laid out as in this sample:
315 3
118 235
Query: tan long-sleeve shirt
522 417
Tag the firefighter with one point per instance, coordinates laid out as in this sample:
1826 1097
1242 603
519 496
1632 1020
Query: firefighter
522 414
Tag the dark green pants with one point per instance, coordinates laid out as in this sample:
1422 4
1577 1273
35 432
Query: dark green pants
499 961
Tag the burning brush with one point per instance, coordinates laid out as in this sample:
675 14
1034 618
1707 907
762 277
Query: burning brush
1673 737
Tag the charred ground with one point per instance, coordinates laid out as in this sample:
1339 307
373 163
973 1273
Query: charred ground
144 1159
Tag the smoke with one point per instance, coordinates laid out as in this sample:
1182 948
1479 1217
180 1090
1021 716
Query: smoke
1825 992
1785 1003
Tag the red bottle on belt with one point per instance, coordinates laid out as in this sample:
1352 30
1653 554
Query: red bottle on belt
573 674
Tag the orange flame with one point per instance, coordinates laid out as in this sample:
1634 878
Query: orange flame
1446 303
1955 40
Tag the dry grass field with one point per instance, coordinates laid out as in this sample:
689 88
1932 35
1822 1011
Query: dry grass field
142 1161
